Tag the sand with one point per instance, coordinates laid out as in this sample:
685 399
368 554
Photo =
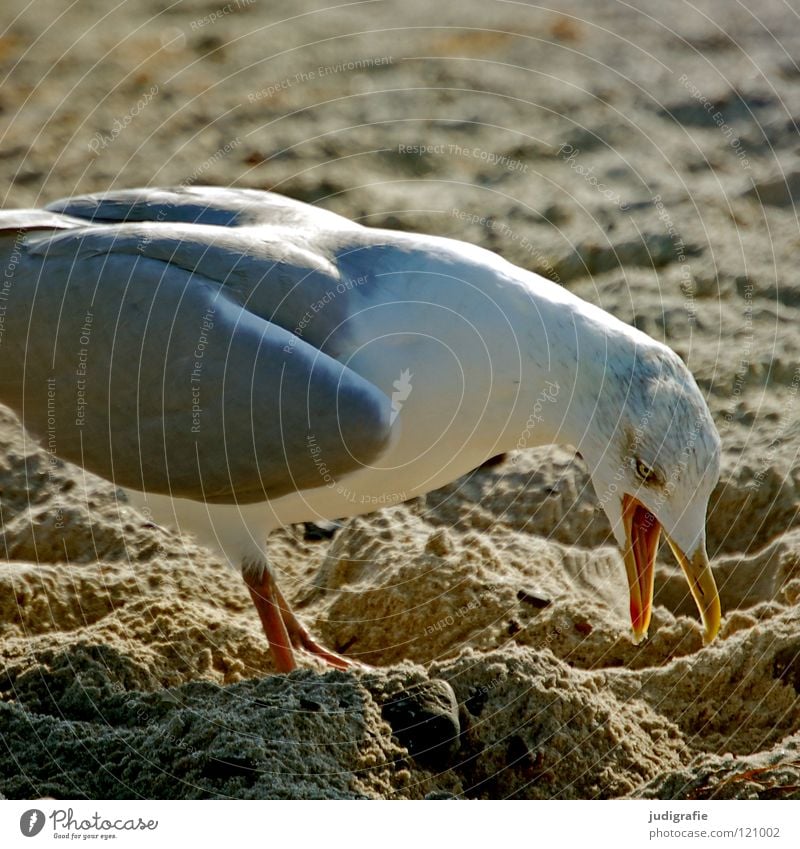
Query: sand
647 160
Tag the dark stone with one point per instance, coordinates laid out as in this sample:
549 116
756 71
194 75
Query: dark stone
424 718
318 531
786 666
534 600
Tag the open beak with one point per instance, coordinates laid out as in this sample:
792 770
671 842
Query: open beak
642 531
703 586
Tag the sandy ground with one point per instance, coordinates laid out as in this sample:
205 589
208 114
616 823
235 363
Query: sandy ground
645 158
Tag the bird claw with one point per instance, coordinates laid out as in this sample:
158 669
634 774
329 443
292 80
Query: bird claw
304 642
331 658
285 632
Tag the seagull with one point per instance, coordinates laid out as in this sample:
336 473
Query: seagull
237 361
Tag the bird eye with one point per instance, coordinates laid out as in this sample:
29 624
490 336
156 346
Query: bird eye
645 473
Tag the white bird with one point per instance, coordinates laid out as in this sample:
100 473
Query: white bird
239 361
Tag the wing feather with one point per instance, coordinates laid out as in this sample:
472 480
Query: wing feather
215 206
166 384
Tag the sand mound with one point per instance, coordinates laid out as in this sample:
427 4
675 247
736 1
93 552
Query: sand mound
494 610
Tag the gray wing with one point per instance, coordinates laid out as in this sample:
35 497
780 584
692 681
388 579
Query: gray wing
209 205
276 256
151 375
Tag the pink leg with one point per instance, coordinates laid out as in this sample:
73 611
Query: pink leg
284 630
301 639
262 591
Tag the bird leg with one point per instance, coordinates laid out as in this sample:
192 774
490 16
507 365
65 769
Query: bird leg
284 630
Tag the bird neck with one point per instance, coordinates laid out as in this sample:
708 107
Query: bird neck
566 350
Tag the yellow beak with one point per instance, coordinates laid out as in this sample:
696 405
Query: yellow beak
703 586
642 531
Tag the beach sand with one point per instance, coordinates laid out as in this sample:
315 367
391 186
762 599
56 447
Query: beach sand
648 161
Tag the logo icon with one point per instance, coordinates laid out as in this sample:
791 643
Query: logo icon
401 393
31 822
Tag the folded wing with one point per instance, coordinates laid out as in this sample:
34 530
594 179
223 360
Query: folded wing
153 375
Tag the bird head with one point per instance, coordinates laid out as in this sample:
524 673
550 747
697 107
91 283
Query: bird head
653 464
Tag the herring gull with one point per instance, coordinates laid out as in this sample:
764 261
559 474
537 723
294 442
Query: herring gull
238 361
